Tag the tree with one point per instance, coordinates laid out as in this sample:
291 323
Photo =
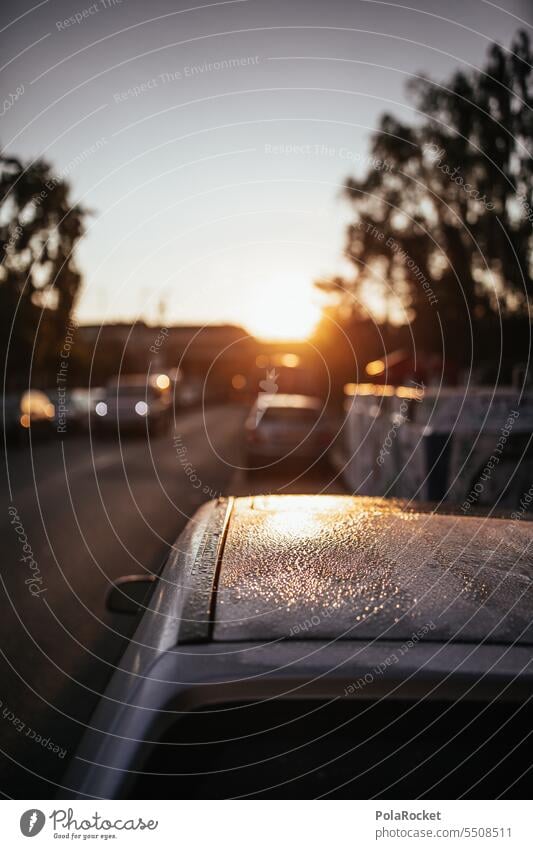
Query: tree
39 281
442 219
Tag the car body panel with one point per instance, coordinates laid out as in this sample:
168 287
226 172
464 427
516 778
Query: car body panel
330 567
198 643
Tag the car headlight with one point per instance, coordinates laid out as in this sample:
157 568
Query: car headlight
141 408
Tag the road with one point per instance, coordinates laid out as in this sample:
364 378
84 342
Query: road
79 512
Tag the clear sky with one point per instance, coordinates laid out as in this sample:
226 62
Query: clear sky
211 140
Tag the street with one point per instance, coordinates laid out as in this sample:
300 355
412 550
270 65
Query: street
80 512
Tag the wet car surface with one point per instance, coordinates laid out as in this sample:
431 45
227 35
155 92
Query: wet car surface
329 599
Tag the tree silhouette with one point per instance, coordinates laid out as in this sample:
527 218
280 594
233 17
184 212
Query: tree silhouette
443 218
39 281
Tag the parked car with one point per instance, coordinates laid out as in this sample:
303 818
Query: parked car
286 426
74 408
135 402
306 646
29 411
189 392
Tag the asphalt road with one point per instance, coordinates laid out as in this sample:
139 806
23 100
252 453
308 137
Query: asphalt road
77 514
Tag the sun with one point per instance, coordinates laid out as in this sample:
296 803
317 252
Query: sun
283 309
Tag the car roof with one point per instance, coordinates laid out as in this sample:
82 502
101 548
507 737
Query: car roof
345 567
297 402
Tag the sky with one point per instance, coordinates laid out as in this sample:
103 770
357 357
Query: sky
211 140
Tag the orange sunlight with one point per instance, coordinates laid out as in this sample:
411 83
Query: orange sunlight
283 310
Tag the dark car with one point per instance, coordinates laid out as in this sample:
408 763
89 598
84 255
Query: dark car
306 646
135 403
28 413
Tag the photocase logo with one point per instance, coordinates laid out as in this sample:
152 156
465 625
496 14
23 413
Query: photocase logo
268 388
32 822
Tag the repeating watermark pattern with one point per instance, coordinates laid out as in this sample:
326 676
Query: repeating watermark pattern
175 225
190 470
327 151
15 235
29 732
88 12
81 157
34 581
395 248
159 341
390 660
491 464
526 207
11 99
525 500
61 175
399 419
436 155
418 274
61 377
268 387
37 200
185 73
310 623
